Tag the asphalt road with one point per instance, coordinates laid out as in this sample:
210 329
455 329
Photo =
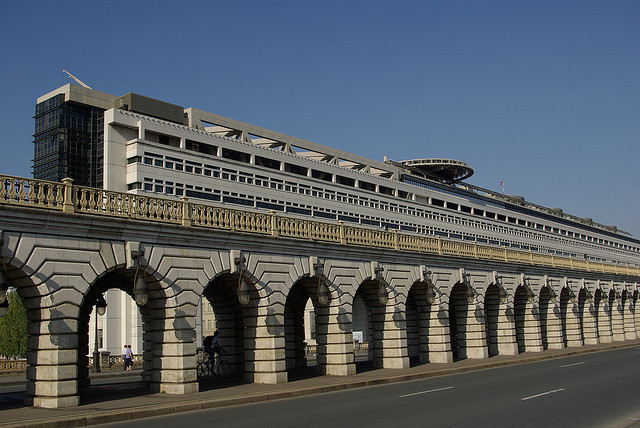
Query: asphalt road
590 390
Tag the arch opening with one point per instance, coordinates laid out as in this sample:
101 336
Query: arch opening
368 320
418 314
305 344
492 312
458 313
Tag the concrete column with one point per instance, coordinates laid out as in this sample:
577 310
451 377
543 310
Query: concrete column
554 326
475 338
439 341
265 346
334 340
532 334
506 330
52 359
604 322
394 338
617 326
173 350
572 325
589 326
629 321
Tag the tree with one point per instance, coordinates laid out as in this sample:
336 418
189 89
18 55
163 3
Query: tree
13 329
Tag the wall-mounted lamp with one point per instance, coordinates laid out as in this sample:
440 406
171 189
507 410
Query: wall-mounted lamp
323 291
383 295
431 292
244 292
588 295
471 297
140 287
502 292
530 295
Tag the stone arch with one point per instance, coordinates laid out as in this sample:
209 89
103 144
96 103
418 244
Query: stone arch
492 314
368 308
570 318
520 301
616 315
603 321
545 302
628 315
302 295
587 324
459 300
419 308
232 319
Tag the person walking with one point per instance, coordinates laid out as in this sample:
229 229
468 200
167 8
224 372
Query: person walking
124 357
130 355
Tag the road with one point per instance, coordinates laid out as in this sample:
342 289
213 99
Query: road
589 390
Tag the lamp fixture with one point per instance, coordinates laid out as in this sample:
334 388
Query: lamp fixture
502 292
322 291
383 295
101 308
530 295
431 292
588 296
471 297
243 292
140 287
101 305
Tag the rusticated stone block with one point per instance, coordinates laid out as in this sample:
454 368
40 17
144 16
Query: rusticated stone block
52 388
174 376
52 357
53 341
52 373
174 388
266 378
55 402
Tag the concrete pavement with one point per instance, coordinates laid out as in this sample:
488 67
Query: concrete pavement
128 401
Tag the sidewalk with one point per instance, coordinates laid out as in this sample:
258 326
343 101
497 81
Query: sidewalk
104 408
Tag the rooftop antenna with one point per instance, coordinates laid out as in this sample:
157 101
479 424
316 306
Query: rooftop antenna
78 81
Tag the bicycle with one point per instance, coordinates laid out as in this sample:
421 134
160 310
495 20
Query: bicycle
220 368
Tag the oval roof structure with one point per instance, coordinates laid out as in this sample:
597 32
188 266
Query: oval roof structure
444 170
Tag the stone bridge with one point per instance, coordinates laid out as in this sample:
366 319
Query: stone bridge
428 300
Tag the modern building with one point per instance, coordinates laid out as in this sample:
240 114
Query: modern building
136 144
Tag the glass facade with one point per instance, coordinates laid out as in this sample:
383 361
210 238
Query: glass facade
68 142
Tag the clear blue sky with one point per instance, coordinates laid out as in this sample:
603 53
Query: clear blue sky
542 95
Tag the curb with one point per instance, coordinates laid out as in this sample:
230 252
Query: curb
132 413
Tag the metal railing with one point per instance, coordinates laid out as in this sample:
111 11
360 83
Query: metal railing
68 198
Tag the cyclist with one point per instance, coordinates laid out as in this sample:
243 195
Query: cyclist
213 346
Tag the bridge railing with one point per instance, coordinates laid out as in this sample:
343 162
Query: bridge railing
86 200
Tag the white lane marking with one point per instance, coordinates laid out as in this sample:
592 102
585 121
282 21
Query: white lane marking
574 364
540 395
425 392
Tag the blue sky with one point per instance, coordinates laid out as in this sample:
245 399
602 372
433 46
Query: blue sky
541 95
